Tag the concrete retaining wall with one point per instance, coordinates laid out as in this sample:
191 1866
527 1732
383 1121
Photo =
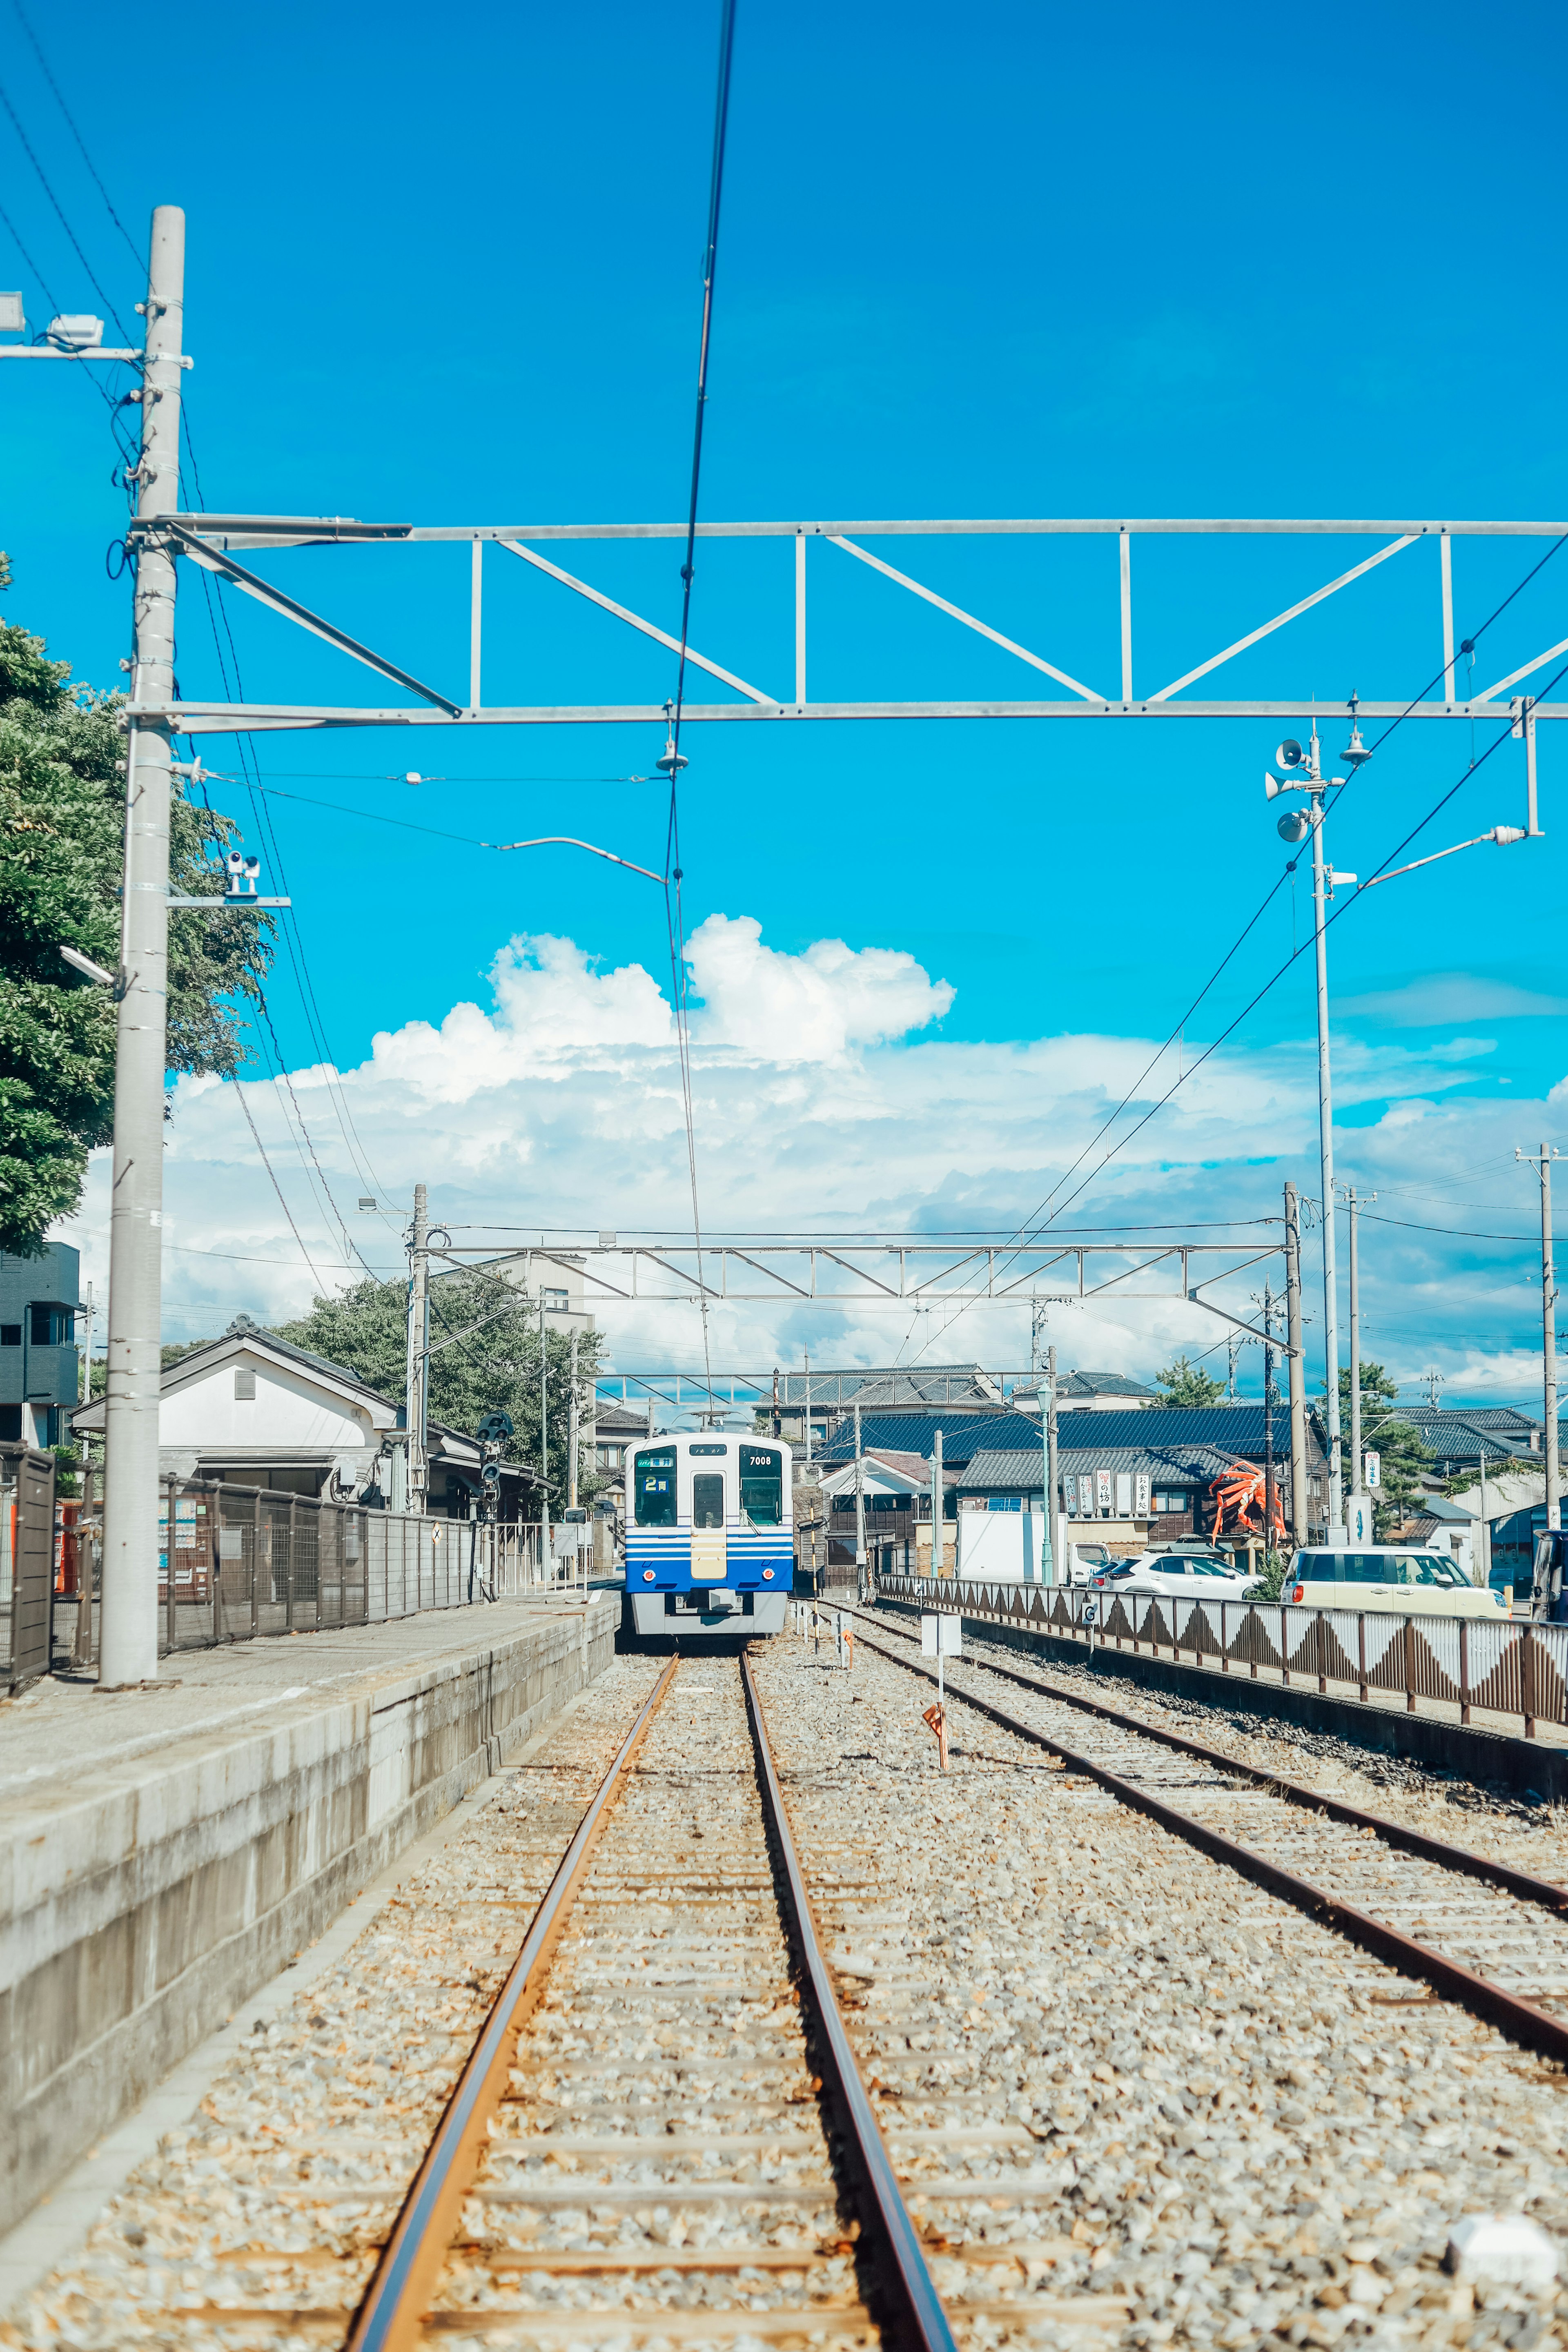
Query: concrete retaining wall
139 1909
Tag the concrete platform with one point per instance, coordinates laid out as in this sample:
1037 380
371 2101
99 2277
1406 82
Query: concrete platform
163 1852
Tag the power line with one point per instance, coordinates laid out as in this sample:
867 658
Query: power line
278 1188
49 191
137 252
675 919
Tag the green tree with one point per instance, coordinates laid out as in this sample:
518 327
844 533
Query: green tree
484 1357
1185 1384
62 826
1401 1455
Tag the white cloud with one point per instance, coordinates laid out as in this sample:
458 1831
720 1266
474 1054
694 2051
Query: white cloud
810 1007
1440 997
820 1105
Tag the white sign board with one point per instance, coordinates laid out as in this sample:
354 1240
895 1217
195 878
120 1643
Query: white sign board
942 1637
1373 1467
1358 1521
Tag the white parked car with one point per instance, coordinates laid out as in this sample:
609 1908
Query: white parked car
1395 1577
1177 1576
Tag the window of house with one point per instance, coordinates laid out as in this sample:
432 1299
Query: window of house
1170 1498
10 1335
10 1425
556 1302
1005 1502
52 1325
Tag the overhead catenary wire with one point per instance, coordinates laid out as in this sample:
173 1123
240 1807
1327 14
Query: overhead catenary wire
675 919
138 253
31 152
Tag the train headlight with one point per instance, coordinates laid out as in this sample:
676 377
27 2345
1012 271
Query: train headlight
767 1576
647 1576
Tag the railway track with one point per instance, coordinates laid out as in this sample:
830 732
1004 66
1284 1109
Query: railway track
1475 1929
636 2148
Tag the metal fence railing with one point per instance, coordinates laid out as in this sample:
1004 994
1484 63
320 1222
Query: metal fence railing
1499 1665
237 1563
26 1524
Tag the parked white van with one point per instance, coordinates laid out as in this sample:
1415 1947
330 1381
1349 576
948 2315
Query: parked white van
1388 1576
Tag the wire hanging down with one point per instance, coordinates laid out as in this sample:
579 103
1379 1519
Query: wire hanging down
673 761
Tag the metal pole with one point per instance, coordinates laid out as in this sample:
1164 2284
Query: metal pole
859 1511
543 1439
1268 1419
128 1636
808 1408
1356 1473
1296 1372
415 1406
937 1544
1326 1155
572 1430
1542 1163
1054 1575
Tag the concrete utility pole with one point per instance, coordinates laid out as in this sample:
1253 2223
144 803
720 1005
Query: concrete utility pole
572 1431
859 1512
417 1411
937 1530
1052 1567
1326 1148
1267 1418
1297 1374
543 1438
807 1408
1542 1161
1357 1478
128 1626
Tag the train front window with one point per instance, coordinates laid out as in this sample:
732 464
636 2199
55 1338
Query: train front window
762 1485
653 1488
708 1500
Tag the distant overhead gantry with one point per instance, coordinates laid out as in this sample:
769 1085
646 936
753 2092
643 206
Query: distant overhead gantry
854 1275
216 542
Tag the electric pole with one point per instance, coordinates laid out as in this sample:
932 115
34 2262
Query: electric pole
572 1431
1268 1419
1297 1373
543 1438
1542 1161
859 1512
1049 1562
1353 1204
1326 1150
416 1412
128 1628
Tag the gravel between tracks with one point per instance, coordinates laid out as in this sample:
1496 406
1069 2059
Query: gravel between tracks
1219 2112
275 2196
1531 1834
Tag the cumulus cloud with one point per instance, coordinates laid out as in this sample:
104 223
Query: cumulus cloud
825 1101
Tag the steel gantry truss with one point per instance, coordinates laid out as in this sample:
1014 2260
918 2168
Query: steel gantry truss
854 1274
217 541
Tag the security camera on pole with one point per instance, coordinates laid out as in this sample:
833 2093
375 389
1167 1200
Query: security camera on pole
1303 773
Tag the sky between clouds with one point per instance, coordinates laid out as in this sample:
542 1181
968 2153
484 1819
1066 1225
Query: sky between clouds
554 1104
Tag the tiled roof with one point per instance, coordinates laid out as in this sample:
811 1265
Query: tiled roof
890 1385
998 1470
915 1432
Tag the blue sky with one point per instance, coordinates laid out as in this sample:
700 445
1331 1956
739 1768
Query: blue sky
1023 262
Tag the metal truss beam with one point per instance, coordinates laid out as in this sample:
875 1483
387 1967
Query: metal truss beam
849 1277
210 539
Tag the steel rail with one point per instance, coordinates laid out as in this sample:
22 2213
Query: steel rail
392 2309
1458 1858
915 2318
1521 2021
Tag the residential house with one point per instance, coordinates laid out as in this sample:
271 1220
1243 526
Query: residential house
833 1395
40 1367
253 1410
1090 1392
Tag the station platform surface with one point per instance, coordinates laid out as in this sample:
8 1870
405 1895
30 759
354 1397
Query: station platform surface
64 1725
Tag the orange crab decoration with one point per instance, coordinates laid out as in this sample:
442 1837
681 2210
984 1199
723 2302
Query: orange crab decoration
1242 1489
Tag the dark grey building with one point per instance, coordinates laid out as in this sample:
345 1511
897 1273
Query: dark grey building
40 1368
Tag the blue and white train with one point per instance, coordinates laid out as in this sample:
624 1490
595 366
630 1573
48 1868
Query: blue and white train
709 1534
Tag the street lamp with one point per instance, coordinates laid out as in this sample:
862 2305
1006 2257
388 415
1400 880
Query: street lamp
1303 773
